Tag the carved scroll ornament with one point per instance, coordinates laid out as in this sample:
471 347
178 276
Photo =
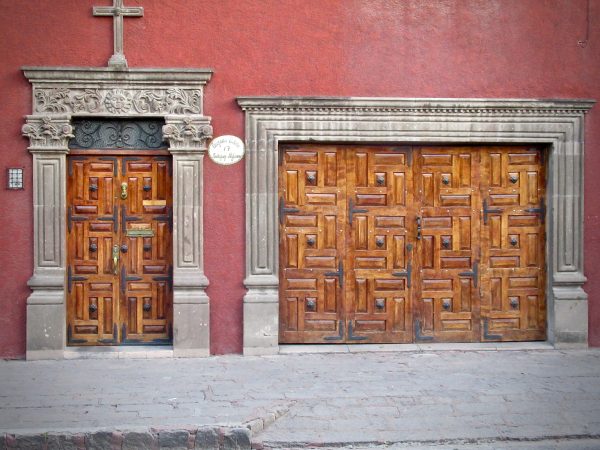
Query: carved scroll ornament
118 101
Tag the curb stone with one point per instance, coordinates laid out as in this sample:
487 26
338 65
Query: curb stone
65 441
134 440
202 438
207 438
426 443
259 424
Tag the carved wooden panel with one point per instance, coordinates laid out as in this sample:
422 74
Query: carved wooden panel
400 244
379 252
447 244
146 270
93 289
513 242
119 250
312 214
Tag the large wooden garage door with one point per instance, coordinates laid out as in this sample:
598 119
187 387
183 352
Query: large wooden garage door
405 244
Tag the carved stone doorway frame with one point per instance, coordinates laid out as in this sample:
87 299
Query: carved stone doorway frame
556 123
63 93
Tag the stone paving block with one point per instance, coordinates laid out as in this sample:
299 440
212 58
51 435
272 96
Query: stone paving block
134 440
541 417
102 440
207 438
236 439
304 423
420 411
25 442
62 441
586 417
227 423
484 408
442 432
173 439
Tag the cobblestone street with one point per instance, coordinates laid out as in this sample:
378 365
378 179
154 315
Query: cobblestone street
436 399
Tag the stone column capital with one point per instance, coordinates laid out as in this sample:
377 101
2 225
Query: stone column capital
48 133
187 134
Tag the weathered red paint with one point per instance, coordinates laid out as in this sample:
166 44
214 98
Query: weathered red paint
399 48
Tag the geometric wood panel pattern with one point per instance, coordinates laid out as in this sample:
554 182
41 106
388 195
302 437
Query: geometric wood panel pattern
448 208
513 244
119 259
312 243
379 252
404 244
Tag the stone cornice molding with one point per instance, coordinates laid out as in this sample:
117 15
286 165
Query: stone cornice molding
189 133
416 106
102 75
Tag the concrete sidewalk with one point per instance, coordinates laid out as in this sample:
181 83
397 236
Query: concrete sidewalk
418 399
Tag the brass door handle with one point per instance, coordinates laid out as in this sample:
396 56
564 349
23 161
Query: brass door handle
115 255
123 191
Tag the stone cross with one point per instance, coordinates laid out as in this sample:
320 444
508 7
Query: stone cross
118 11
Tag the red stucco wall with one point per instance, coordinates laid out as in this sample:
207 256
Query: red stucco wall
400 48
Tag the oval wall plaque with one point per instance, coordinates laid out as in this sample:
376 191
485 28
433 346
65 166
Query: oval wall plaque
226 150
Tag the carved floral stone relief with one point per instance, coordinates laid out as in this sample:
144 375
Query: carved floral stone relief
118 101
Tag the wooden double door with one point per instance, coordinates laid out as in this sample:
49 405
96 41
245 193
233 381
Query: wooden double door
405 244
119 261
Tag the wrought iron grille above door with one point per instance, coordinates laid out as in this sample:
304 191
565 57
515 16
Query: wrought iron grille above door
118 134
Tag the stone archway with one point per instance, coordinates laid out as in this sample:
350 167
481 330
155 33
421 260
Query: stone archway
61 94
557 123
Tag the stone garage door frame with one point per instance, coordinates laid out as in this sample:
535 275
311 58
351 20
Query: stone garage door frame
556 123
61 94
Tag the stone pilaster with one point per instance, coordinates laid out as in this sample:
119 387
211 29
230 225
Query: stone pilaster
187 138
569 312
46 305
261 302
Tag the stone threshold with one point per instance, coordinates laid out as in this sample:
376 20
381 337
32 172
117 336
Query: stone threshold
150 352
128 352
433 347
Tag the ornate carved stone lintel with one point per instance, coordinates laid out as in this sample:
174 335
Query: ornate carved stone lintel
118 101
